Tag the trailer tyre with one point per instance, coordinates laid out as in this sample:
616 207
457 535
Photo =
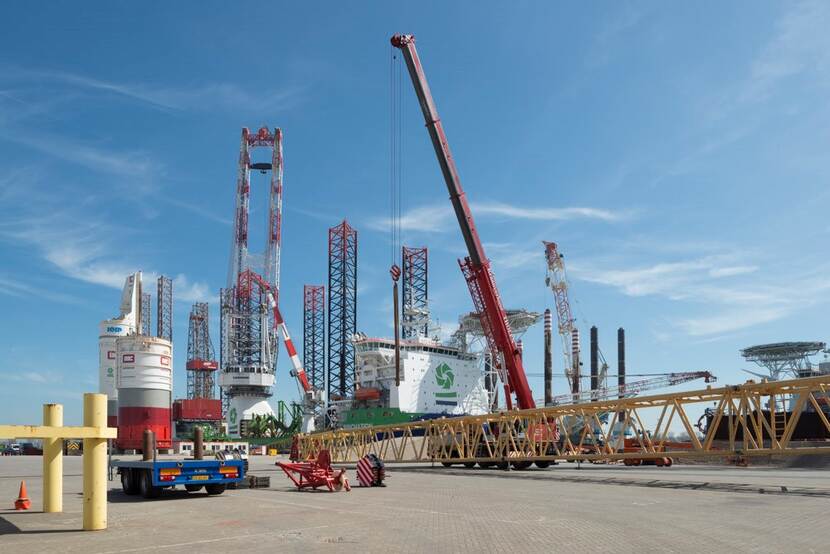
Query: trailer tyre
446 464
469 465
217 488
193 488
145 485
542 464
128 484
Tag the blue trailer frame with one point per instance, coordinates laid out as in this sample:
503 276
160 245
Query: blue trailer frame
148 478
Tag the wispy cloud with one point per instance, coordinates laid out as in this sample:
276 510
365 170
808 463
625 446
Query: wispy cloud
198 210
801 44
546 214
437 218
714 284
19 288
132 164
186 291
190 97
75 242
731 271
612 30
514 256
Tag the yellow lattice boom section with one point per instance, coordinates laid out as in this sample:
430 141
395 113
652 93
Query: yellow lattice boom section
742 417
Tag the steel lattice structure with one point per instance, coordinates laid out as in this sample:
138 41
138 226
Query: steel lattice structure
415 297
587 432
557 281
146 314
314 334
248 340
201 358
248 352
342 317
789 358
164 311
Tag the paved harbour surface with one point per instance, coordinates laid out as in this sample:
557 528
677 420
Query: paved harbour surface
424 509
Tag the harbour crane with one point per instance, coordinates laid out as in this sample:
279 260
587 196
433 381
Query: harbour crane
634 388
558 283
475 266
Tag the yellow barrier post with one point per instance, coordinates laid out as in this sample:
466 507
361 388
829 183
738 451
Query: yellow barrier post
95 464
53 461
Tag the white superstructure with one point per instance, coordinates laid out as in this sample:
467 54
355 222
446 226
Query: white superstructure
109 330
435 378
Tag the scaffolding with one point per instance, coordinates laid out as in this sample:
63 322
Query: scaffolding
146 314
314 334
164 310
415 297
201 357
342 316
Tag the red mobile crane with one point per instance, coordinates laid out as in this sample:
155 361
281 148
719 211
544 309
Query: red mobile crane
476 266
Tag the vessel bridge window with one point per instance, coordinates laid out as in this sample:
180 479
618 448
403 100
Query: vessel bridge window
446 351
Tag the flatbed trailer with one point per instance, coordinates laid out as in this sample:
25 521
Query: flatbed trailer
148 478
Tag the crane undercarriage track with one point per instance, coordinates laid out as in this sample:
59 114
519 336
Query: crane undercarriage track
740 425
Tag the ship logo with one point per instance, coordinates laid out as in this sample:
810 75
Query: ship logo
444 376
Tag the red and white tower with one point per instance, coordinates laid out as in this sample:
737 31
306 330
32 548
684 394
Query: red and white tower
248 336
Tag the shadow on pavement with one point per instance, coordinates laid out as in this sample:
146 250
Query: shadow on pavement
117 496
9 528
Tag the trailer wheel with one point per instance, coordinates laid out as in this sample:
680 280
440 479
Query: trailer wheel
542 464
469 465
522 465
486 465
446 464
216 488
193 488
145 485
128 484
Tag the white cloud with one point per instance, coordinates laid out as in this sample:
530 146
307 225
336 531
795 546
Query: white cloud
732 271
713 284
77 245
198 210
133 165
425 219
203 96
186 291
544 214
436 218
730 320
801 44
16 287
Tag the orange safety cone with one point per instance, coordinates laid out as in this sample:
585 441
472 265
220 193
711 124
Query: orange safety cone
22 502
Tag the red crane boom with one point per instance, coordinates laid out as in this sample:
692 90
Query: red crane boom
475 266
246 281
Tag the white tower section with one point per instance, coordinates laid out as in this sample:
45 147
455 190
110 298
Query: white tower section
126 323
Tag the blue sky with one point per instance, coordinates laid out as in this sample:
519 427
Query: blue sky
676 153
